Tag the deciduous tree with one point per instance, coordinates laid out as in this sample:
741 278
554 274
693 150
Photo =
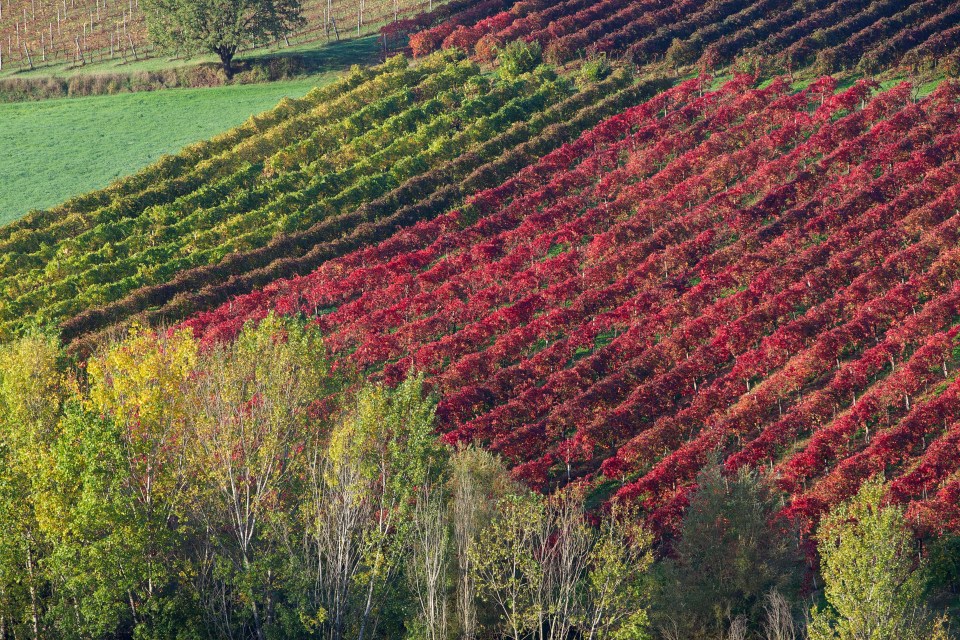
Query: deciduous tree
873 586
221 27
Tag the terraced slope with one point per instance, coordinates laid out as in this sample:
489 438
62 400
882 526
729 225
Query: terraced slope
758 272
775 36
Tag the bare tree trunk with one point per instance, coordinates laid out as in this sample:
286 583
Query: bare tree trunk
133 47
34 607
566 542
430 560
226 55
779 623
466 526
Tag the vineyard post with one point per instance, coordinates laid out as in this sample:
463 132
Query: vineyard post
26 50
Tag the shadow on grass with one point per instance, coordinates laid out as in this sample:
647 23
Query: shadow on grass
323 57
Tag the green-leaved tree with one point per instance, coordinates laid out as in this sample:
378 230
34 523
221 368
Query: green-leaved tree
873 589
222 27
727 559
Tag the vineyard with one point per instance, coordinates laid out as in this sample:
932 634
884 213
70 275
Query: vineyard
768 36
610 306
40 33
629 293
236 204
571 319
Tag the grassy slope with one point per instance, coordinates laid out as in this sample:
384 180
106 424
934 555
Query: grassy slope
316 54
60 148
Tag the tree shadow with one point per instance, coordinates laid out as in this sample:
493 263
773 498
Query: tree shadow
322 57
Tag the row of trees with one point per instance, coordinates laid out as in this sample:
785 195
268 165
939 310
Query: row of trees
248 491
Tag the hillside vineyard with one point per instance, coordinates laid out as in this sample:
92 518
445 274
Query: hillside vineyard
530 320
758 271
353 142
773 35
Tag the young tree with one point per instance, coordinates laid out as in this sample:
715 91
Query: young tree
779 623
250 422
617 589
429 559
478 481
562 546
505 563
139 387
364 483
221 27
873 588
32 390
103 558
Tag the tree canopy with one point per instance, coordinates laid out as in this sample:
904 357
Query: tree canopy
222 27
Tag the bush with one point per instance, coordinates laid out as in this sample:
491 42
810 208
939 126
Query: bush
594 70
682 52
520 57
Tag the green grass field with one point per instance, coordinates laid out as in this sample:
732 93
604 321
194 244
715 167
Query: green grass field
56 149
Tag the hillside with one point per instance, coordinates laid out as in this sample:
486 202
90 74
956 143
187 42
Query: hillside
229 217
413 148
688 305
570 319
770 36
66 291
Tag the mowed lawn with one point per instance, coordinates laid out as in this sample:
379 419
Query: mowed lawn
55 149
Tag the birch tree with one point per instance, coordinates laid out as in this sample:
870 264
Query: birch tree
250 421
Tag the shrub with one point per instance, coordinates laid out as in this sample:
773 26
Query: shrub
594 70
520 57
